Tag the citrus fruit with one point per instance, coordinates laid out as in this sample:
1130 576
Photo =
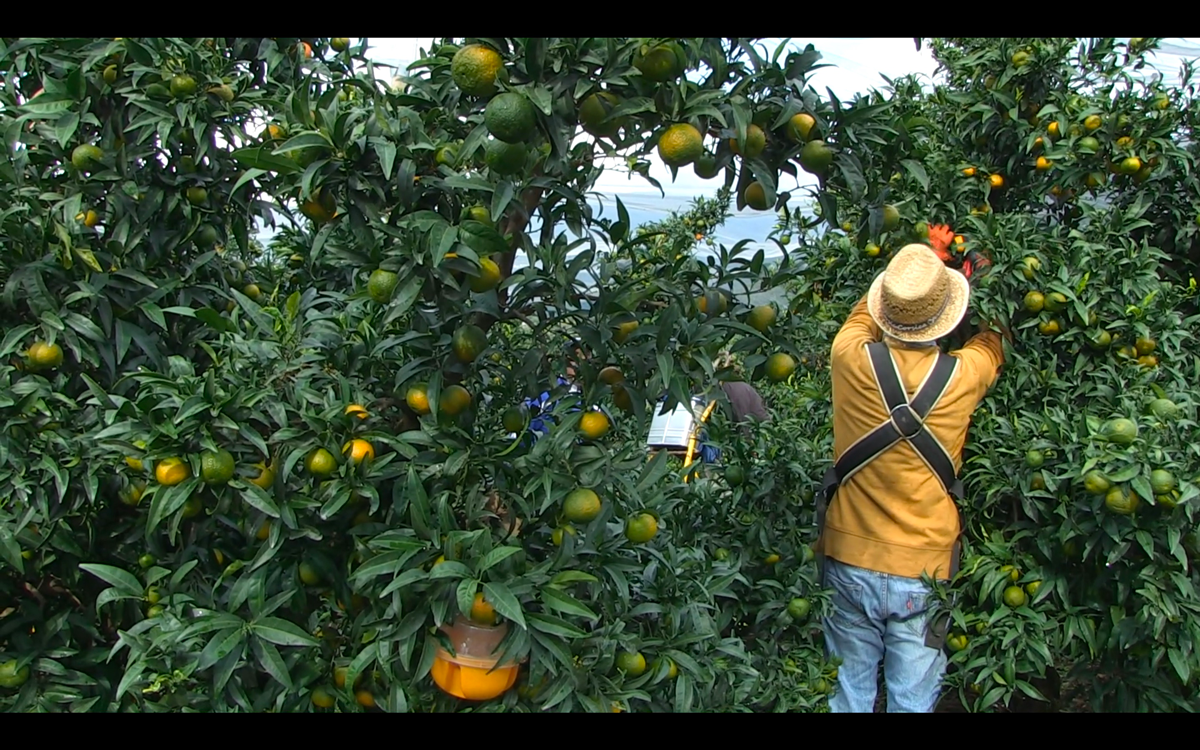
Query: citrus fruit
86 157
1121 501
339 43
1088 144
969 172
1092 122
996 181
1043 164
474 69
641 528
132 495
800 127
1162 482
593 110
771 559
1029 267
216 467
365 699
488 278
308 574
1099 340
358 449
146 561
957 643
265 478
779 367
480 214
594 425
761 318
735 475
1019 59
756 197
505 158
1032 588
514 418
799 608
624 330
1034 458
661 63
171 471
871 250
417 398
468 342
197 196
557 535
705 167
264 532
581 506
1145 345
1049 327
611 375
1129 165
193 507
721 555
1120 431
89 218
622 399
357 410
672 670
320 462
454 400
110 74
252 291
510 117
482 611
1163 408
632 663
815 157
1169 501
155 611
320 207
756 141
1013 574
891 218
1038 482
1096 483
680 145
45 356
381 285
1014 596
1034 302
322 699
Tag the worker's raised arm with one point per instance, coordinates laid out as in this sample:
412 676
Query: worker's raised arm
860 328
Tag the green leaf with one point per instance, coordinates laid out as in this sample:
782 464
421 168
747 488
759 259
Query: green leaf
557 600
219 646
272 663
465 595
482 238
122 580
10 552
260 157
505 603
495 557
573 576
449 569
282 632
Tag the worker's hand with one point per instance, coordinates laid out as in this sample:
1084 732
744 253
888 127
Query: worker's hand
976 263
940 237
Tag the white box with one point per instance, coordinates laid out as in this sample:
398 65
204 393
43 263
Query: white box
674 429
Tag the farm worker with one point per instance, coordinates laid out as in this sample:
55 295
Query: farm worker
541 407
901 409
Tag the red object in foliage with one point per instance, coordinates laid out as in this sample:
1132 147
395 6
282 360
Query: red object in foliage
940 237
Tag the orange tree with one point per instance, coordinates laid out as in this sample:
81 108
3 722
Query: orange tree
239 478
1077 177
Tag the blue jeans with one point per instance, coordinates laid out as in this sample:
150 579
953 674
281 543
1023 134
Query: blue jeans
881 617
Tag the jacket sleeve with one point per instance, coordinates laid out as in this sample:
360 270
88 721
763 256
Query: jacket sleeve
982 356
859 329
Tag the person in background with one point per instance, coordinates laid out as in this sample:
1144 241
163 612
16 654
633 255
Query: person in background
901 410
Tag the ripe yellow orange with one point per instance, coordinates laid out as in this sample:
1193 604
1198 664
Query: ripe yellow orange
996 181
594 425
365 699
756 197
45 356
1093 122
1043 164
756 141
1034 302
265 478
641 528
171 471
482 611
800 127
357 410
417 399
454 400
624 330
322 699
779 367
680 145
969 172
358 450
475 68
1052 128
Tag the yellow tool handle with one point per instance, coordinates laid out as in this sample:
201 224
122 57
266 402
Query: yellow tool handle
691 449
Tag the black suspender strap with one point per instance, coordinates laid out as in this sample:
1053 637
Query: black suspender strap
906 421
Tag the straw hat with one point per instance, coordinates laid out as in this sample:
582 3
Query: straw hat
918 299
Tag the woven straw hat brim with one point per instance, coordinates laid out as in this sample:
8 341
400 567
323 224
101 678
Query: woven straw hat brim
942 325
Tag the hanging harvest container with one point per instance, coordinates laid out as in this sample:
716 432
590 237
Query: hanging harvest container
473 671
